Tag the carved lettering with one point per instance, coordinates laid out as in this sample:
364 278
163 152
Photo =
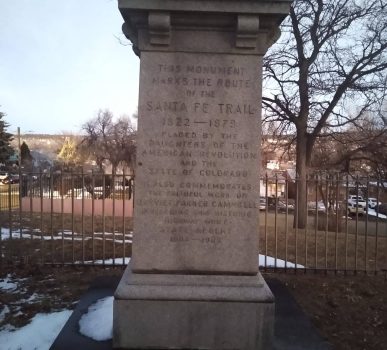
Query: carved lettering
199 158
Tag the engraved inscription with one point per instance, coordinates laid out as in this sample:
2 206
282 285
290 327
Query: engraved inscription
199 153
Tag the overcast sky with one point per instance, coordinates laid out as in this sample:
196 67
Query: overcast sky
61 61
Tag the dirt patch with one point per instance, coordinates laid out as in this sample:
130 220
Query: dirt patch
349 311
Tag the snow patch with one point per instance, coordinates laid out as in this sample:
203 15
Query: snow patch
372 212
116 261
97 323
272 262
39 334
32 298
7 284
6 234
4 312
67 236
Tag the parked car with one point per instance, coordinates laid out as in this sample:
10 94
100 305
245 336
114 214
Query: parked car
11 179
372 203
262 203
381 208
355 199
358 201
3 175
358 208
320 206
282 206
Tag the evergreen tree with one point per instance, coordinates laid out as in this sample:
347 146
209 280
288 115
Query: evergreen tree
5 138
25 155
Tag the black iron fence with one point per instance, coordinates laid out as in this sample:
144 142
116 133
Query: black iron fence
86 218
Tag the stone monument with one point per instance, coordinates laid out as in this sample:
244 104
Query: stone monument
193 281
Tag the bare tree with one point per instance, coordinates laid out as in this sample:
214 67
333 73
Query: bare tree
360 150
107 140
330 62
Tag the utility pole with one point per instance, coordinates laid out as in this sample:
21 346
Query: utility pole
19 146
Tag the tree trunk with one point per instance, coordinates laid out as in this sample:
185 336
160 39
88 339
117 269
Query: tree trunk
301 188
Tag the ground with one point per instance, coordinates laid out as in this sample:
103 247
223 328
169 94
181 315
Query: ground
349 311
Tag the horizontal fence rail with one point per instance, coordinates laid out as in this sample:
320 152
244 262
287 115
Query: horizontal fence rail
87 219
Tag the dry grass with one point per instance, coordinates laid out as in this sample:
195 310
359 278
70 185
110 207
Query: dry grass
65 239
70 238
353 249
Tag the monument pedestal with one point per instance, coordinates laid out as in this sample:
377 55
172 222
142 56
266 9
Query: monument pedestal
192 312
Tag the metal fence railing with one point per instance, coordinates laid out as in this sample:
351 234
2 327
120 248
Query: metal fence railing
86 218
66 218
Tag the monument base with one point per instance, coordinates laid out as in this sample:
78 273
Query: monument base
192 312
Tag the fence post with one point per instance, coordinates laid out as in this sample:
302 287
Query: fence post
83 215
72 217
103 218
366 228
377 225
92 217
337 222
62 213
316 228
357 221
52 213
41 215
306 222
286 218
266 214
123 215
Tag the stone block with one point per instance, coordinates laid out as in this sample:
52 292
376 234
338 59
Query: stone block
193 312
197 179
